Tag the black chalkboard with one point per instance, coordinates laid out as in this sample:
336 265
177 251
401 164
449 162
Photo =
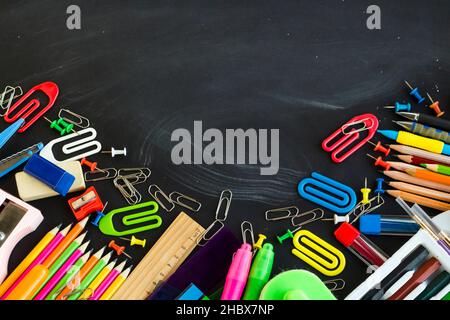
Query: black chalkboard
141 69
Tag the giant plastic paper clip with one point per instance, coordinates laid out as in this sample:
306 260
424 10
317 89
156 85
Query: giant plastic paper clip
108 227
86 203
81 144
337 196
318 253
50 89
340 140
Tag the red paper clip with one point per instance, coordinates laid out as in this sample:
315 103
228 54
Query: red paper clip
85 204
367 122
49 88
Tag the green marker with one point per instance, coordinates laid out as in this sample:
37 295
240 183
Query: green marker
438 168
447 296
91 276
259 272
435 286
68 276
62 258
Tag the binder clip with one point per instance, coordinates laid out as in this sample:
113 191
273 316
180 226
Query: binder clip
85 204
82 144
17 219
318 253
50 89
336 196
108 227
342 138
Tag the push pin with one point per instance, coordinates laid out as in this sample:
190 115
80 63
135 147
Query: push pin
379 189
97 218
399 107
435 106
285 236
258 244
415 93
135 241
55 125
365 193
118 249
65 125
379 162
91 165
379 147
338 219
116 152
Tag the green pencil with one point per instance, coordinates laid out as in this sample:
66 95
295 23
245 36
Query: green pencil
62 258
68 276
91 276
439 168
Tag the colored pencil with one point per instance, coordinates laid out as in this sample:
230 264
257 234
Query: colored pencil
60 261
429 175
401 176
107 281
87 267
410 197
28 260
438 168
420 153
73 271
116 285
53 281
401 166
430 193
74 232
90 289
415 160
40 258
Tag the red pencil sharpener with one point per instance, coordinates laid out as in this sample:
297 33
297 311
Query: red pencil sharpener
85 204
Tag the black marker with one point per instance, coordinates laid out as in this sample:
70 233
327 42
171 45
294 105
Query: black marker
426 119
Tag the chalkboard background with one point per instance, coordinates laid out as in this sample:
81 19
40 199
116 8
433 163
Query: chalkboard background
141 69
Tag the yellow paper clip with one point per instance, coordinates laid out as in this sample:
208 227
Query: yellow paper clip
323 257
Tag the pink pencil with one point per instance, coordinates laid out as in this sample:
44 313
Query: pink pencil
107 282
61 272
39 259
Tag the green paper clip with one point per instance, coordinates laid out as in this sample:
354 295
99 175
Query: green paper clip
107 227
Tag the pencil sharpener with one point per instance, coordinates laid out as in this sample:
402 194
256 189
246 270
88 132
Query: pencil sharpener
85 204
17 219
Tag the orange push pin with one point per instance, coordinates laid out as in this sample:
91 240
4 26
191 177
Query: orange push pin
118 249
435 106
379 162
91 165
379 147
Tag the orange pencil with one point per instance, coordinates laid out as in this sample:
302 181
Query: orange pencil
401 176
81 274
430 193
429 175
72 235
430 203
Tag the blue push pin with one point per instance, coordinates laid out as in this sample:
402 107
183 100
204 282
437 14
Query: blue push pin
97 218
379 189
415 93
399 107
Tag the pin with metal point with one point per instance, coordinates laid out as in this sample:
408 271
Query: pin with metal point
379 147
135 241
379 162
399 107
118 249
116 152
435 106
415 93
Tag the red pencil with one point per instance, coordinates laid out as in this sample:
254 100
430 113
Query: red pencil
415 160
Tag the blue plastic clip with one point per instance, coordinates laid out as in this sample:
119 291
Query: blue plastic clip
6 134
402 107
50 174
379 188
342 202
97 218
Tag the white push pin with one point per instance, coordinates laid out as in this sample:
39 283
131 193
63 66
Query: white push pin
339 219
117 152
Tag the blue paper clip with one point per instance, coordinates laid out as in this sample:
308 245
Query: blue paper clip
12 162
343 201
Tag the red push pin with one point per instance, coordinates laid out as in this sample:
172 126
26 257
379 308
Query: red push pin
379 162
91 165
118 249
435 106
379 147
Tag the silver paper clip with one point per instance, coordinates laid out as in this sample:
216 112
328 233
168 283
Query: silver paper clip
351 124
247 227
277 214
210 232
335 284
135 175
156 192
317 214
97 175
74 118
225 197
14 92
128 191
185 201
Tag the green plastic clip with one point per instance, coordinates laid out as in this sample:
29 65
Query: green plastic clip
106 224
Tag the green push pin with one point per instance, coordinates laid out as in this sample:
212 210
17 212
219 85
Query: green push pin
285 236
54 125
68 127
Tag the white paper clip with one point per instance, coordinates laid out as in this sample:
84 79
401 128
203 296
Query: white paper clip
81 141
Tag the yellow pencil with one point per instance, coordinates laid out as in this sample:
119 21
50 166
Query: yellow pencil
97 281
115 285
28 260
430 203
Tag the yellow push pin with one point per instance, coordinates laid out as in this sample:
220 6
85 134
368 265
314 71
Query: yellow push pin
135 241
365 193
258 244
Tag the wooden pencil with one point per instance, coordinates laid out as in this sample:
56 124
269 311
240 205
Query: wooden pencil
421 153
401 166
429 175
423 201
438 168
401 176
414 159
430 193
